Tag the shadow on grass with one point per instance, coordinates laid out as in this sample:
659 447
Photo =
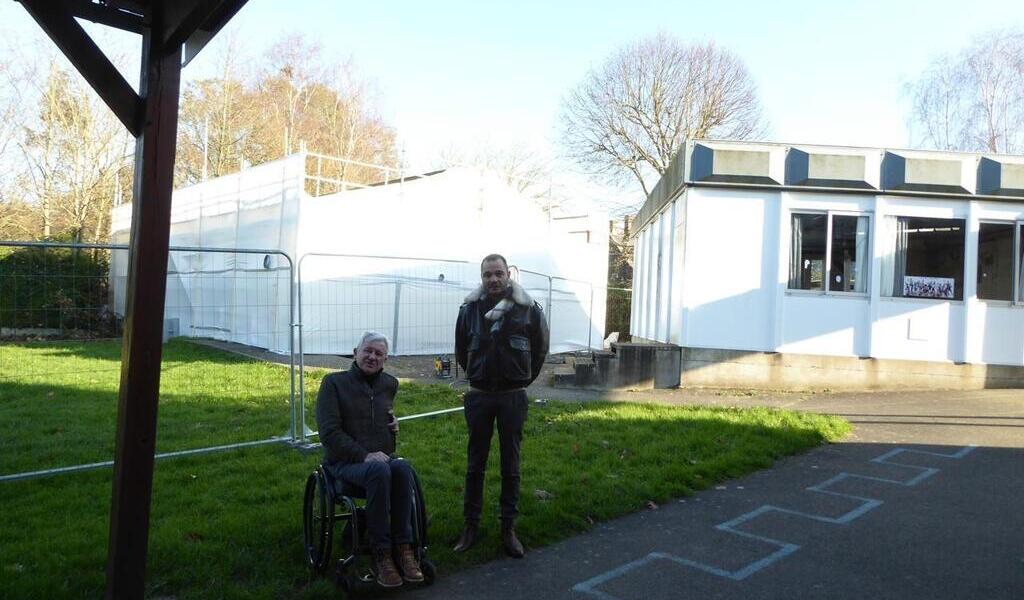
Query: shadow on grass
228 525
44 426
110 350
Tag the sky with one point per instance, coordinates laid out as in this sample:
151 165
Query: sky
459 74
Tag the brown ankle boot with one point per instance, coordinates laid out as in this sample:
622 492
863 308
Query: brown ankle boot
509 540
468 537
411 571
384 565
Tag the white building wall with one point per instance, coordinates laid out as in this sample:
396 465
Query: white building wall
835 326
730 279
814 322
913 329
726 283
443 223
995 332
663 299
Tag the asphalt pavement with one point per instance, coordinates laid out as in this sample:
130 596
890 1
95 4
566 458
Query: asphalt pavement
924 500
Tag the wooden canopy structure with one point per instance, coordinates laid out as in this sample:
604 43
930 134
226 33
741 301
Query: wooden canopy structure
173 32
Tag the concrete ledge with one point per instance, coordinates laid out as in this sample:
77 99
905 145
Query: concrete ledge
628 366
796 372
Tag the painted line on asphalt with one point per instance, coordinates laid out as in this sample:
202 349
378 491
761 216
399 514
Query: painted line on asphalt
590 586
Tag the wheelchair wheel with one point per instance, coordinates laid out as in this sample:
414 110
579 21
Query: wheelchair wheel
317 522
353 535
429 571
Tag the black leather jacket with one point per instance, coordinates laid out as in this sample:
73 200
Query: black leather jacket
352 415
512 356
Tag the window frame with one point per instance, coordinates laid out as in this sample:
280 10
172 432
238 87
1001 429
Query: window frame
1017 299
827 275
1014 300
966 229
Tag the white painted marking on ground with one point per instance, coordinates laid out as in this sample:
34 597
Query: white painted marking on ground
589 586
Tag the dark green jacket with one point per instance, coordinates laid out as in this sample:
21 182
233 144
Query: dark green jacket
352 416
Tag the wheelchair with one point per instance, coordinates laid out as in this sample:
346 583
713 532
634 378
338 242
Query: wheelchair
329 501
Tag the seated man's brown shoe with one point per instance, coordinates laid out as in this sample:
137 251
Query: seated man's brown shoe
411 571
510 542
384 565
468 537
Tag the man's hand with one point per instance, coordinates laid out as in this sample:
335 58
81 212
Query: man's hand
393 423
376 457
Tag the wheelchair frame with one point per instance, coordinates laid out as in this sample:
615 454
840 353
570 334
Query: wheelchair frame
320 514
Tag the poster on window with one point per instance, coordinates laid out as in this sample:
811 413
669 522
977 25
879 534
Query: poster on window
928 287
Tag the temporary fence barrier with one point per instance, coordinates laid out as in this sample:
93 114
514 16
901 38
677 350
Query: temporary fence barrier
257 298
61 312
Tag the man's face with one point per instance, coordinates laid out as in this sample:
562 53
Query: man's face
494 276
370 357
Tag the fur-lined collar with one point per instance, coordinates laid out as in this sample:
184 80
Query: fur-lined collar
519 295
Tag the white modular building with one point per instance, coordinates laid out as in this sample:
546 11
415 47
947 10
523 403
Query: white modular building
396 257
796 266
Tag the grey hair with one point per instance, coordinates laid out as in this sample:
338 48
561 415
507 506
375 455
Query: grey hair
371 337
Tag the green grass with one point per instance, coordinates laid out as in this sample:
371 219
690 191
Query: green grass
228 525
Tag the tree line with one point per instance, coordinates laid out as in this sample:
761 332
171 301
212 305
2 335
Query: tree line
67 160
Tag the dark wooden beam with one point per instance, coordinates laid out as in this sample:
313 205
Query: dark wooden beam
57 21
111 16
196 23
186 16
143 326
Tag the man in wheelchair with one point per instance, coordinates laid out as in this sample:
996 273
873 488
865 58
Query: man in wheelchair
355 417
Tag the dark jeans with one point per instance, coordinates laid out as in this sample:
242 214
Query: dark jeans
482 409
389 491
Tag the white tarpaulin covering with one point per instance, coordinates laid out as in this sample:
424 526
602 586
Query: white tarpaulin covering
425 235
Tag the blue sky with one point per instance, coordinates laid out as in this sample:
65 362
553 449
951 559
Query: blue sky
456 73
828 71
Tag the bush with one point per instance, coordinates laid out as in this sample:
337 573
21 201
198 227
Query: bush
56 288
617 312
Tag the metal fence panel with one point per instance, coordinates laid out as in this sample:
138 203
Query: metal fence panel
61 314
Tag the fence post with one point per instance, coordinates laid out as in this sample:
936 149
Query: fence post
590 320
291 339
394 326
551 306
302 360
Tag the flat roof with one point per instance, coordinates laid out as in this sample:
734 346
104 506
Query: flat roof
841 169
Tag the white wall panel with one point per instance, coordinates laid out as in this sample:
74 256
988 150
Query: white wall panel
731 250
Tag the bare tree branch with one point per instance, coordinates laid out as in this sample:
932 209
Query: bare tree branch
628 118
973 101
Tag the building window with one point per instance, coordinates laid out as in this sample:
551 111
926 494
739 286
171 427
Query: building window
807 252
832 248
1020 263
927 258
995 261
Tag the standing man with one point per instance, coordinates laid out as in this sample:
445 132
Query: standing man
501 341
355 416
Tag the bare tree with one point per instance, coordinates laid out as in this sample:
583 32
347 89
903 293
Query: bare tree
627 118
518 165
325 108
217 116
974 100
75 153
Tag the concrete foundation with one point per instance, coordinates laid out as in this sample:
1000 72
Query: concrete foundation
626 366
772 370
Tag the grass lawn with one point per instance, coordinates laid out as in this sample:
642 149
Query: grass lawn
228 525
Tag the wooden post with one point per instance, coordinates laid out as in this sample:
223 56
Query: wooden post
141 352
